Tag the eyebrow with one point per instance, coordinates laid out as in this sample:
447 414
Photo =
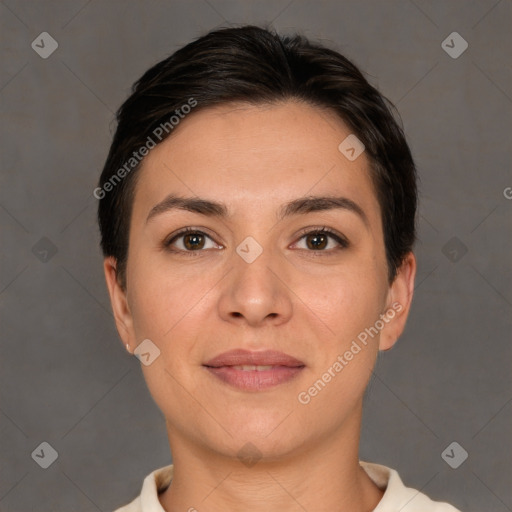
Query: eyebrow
301 205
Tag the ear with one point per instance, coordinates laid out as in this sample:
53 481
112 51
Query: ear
118 300
398 303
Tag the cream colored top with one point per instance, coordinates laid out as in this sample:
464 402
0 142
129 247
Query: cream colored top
396 496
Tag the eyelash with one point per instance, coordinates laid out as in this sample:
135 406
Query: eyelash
342 241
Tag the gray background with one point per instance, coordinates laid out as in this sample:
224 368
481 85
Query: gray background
65 377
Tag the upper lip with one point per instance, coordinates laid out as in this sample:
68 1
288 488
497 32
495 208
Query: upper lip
240 357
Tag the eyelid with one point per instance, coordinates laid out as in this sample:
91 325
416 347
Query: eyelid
338 237
169 240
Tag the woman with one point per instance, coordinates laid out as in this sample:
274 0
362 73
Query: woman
257 212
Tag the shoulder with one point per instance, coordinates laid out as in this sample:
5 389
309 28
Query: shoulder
399 497
153 484
134 506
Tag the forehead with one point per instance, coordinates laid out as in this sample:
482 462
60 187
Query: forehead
251 153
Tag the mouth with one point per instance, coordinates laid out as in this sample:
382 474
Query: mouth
254 371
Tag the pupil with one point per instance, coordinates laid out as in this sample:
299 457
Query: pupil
194 241
317 241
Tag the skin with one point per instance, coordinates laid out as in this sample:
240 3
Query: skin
310 304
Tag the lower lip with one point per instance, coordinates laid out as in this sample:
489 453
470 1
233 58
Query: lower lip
254 380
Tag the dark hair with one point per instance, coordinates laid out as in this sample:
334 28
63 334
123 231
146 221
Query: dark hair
257 66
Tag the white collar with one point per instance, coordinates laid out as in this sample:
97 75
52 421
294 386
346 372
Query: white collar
396 495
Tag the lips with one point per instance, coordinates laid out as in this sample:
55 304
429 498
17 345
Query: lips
254 371
241 357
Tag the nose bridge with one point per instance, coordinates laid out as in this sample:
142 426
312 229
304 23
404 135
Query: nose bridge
255 289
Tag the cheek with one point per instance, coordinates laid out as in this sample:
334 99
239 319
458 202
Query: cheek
163 299
346 301
169 309
350 306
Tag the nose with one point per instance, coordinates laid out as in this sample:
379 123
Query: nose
255 292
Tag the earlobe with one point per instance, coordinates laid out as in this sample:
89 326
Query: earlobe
119 303
399 302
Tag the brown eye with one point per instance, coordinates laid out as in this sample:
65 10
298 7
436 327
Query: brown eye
322 240
190 240
316 241
193 241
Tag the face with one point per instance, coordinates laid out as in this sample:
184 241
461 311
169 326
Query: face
266 266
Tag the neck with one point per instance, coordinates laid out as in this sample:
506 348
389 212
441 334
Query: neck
323 477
